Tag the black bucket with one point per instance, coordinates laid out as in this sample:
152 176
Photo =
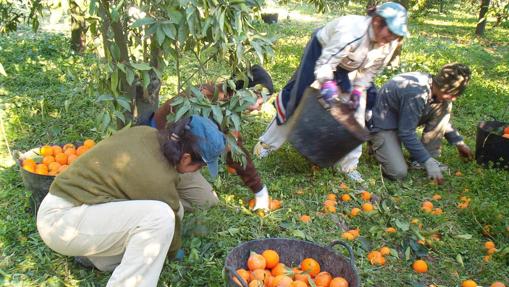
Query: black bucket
37 184
324 134
491 149
270 18
291 253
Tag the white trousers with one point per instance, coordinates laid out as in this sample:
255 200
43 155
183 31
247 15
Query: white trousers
130 238
276 135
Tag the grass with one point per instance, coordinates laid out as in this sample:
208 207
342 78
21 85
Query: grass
44 100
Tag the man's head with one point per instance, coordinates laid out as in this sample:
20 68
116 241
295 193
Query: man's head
450 82
389 22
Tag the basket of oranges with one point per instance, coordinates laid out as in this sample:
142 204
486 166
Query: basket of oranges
40 165
276 262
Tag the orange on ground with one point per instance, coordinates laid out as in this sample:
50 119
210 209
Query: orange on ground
310 265
338 282
489 245
330 203
57 149
366 196
347 236
343 186
271 258
491 251
355 211
329 208
48 159
420 266
367 207
427 205
385 250
331 196
374 256
355 232
88 143
231 170
281 281
390 230
305 218
346 197
497 284
437 211
323 279
437 197
46 150
468 283
61 158
256 261
486 258
280 269
274 204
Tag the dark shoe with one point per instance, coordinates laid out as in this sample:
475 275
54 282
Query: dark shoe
84 262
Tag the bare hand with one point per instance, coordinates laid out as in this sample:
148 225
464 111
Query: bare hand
465 152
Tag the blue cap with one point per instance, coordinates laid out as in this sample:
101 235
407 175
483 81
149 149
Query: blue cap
211 141
395 16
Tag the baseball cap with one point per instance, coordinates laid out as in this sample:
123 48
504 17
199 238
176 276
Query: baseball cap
395 16
211 141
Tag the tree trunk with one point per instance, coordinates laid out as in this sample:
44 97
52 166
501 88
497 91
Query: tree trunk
479 30
78 27
441 9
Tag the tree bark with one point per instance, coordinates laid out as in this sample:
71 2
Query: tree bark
78 27
479 30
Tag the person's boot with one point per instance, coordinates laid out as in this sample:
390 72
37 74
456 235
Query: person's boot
84 262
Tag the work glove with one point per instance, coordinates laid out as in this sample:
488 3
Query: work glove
328 90
464 151
433 170
262 199
355 99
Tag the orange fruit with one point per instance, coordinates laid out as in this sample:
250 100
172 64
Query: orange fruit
468 283
256 261
244 274
331 196
57 149
323 279
505 136
346 197
67 146
497 283
311 266
274 204
506 130
437 211
41 169
420 266
71 158
301 276
261 275
491 251
486 258
280 269
88 143
390 230
366 196
330 209
355 232
348 236
230 170
305 218
282 281
271 258
54 166
367 207
385 250
437 197
427 205
489 245
81 150
48 159
46 150
29 167
256 283
299 284
62 168
338 282
343 186
355 211
28 161
61 158
373 256
330 203
70 151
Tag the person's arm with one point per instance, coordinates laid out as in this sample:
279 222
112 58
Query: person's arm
161 114
452 136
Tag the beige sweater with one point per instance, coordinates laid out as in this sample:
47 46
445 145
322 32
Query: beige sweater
129 165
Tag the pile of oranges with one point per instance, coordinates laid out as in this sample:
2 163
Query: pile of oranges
265 270
55 159
376 257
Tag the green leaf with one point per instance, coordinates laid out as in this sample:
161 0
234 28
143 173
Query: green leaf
236 121
129 75
119 116
170 31
103 98
141 66
407 253
160 36
146 79
115 51
299 234
404 226
142 22
217 114
114 81
106 120
182 110
122 101
2 71
459 259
